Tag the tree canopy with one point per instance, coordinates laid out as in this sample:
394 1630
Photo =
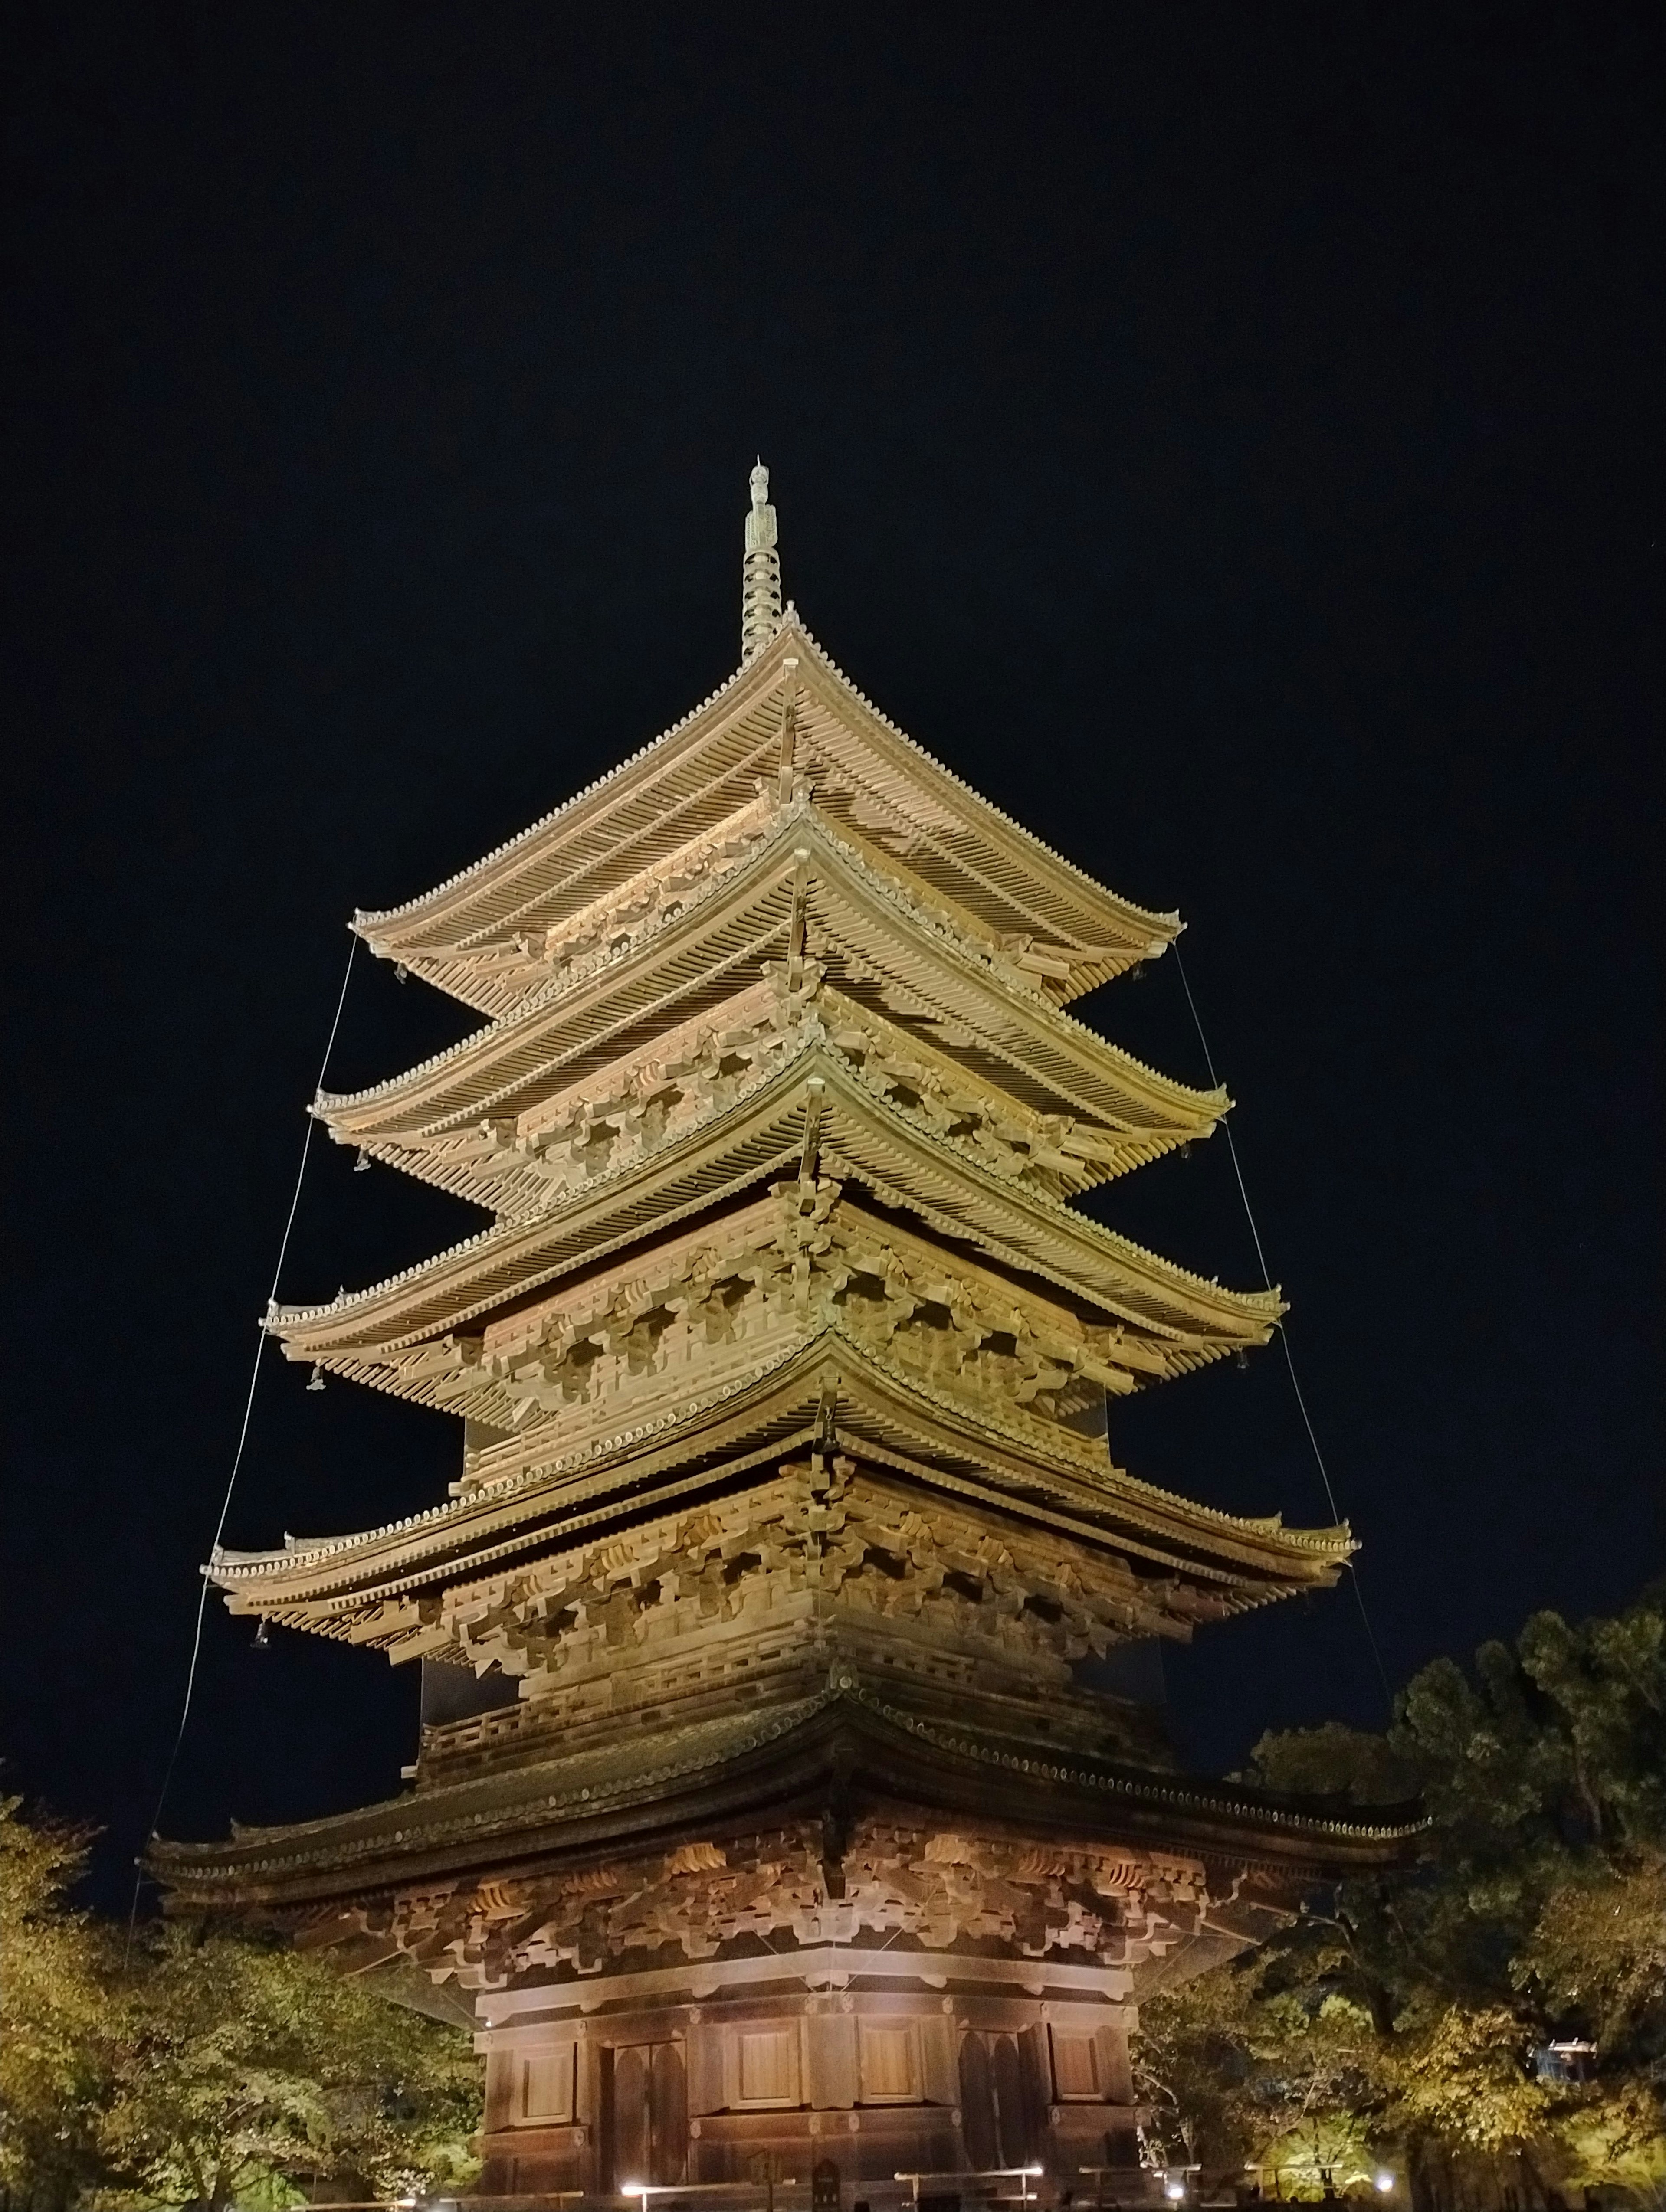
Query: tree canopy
1415 2016
199 2066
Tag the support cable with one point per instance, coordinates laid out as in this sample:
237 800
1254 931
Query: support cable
242 1440
1284 1335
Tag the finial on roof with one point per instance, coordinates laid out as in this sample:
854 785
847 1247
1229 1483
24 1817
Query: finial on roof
760 576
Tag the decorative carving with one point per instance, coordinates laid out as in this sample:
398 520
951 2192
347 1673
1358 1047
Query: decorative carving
611 928
941 1894
657 1098
674 1605
717 1304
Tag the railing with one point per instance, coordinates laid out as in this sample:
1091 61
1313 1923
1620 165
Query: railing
939 2184
1128 2189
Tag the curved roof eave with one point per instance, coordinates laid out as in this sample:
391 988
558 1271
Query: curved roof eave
1249 1310
498 1519
384 929
501 1034
573 1802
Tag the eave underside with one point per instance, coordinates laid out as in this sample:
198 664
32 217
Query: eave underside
858 1137
566 1126
855 927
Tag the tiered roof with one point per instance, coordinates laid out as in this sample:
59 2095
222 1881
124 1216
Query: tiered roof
780 1118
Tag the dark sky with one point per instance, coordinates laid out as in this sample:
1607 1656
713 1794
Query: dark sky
1227 435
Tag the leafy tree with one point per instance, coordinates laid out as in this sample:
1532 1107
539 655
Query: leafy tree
1599 1952
1230 2073
244 2069
54 1964
1598 1958
202 2067
1536 1912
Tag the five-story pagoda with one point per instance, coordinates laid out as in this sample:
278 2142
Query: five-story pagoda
766 1812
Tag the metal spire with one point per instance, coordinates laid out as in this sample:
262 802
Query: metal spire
760 577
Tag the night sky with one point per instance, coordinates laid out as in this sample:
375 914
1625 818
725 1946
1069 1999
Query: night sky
1227 435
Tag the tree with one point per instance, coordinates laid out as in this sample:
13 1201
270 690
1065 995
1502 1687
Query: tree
1231 2074
245 2069
201 2066
1598 1958
53 2057
1536 1912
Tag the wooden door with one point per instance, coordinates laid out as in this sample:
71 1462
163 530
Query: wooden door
999 2103
645 2120
977 2104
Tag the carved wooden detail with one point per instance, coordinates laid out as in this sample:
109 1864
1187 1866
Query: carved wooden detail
633 1620
942 1890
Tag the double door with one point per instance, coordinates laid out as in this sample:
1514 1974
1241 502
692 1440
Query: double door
1003 2098
644 2115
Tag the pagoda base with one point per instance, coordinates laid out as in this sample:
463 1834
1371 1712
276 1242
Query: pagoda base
835 1935
955 2066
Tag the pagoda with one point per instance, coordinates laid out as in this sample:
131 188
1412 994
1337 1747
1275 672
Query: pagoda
786 1798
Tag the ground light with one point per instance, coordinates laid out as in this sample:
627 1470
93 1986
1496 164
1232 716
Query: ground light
1383 2180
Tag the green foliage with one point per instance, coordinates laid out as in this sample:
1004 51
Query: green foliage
244 2070
1598 1953
1465 2076
54 1968
204 2067
1414 2005
1232 2073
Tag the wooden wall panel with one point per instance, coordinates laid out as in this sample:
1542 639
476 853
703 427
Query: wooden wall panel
939 2082
1075 2067
547 2084
890 2062
1115 2068
705 2064
832 2050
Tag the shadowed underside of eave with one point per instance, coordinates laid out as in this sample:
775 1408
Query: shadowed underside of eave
863 936
519 1167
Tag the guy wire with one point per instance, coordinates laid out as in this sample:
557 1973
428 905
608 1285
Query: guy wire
237 1456
1284 1335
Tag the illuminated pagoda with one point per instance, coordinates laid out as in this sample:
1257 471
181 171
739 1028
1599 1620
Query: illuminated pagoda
785 1795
